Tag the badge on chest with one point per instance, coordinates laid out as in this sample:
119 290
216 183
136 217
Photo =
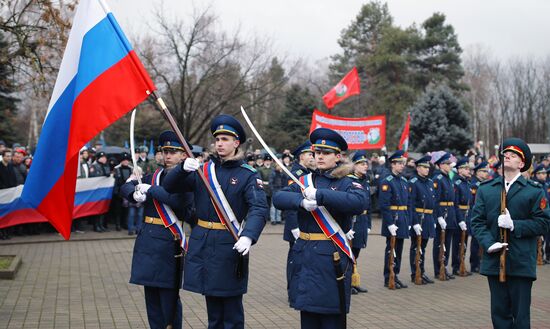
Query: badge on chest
233 181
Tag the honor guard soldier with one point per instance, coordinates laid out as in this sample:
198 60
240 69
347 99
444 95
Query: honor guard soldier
216 265
361 224
481 174
421 207
540 175
445 214
394 199
321 260
157 257
303 164
525 217
462 207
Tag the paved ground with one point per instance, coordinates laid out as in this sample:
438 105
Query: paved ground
83 283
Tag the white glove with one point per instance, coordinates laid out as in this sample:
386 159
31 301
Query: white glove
139 197
417 229
295 233
496 247
309 193
309 205
442 222
505 221
393 229
462 225
243 245
191 164
350 234
143 188
368 230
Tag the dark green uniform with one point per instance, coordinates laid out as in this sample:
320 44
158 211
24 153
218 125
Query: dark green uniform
527 204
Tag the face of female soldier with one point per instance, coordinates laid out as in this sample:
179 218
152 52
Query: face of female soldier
326 159
361 168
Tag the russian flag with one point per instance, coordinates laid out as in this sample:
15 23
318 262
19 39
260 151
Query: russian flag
100 79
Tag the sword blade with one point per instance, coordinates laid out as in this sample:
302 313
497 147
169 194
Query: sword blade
132 145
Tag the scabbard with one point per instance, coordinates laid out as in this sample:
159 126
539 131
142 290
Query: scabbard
178 255
340 276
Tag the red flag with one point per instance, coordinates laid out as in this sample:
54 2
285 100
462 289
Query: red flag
348 86
404 141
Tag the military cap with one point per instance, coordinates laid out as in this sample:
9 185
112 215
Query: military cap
359 156
2 142
250 157
228 125
327 140
268 157
444 158
540 168
126 156
424 161
305 147
496 165
169 140
481 165
100 154
519 147
397 156
463 162
288 156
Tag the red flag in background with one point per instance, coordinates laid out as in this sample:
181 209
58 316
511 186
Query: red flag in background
404 141
348 86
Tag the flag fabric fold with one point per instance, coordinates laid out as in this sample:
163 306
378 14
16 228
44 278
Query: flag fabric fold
100 80
404 140
348 86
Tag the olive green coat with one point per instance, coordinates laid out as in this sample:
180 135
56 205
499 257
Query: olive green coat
525 201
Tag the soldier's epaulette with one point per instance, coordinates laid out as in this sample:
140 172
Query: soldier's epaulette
249 167
404 179
458 181
413 180
388 178
478 183
299 172
438 177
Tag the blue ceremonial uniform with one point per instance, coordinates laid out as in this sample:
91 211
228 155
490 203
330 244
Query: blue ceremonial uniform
445 196
291 216
462 208
393 198
153 261
474 244
421 207
211 263
362 222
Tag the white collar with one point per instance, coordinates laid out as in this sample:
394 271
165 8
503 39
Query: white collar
507 185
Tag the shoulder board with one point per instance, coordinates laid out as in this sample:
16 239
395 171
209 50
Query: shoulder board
413 180
388 178
404 179
458 182
478 183
534 183
438 177
249 167
299 172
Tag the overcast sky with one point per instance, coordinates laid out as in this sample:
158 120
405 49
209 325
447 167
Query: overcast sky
310 28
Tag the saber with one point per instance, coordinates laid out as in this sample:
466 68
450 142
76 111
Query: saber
132 146
261 140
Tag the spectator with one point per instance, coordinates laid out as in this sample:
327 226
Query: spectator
100 168
2 148
143 162
7 172
277 180
135 212
287 160
265 173
122 173
410 169
19 167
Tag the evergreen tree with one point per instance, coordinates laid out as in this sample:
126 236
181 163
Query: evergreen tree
439 122
292 125
8 107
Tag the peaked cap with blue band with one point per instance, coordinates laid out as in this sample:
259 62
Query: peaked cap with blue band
359 156
463 162
169 140
423 161
540 168
444 157
481 165
398 155
328 139
228 125
305 147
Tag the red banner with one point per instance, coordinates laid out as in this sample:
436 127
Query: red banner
404 140
360 133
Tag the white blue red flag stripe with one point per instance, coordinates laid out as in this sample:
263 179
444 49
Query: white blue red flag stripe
100 79
209 170
93 196
167 215
328 224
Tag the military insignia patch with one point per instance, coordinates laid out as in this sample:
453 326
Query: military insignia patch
435 184
259 183
234 180
290 182
333 188
543 203
299 172
385 187
357 185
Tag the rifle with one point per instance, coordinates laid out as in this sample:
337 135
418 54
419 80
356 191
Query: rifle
539 251
418 274
462 269
391 259
503 232
442 269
